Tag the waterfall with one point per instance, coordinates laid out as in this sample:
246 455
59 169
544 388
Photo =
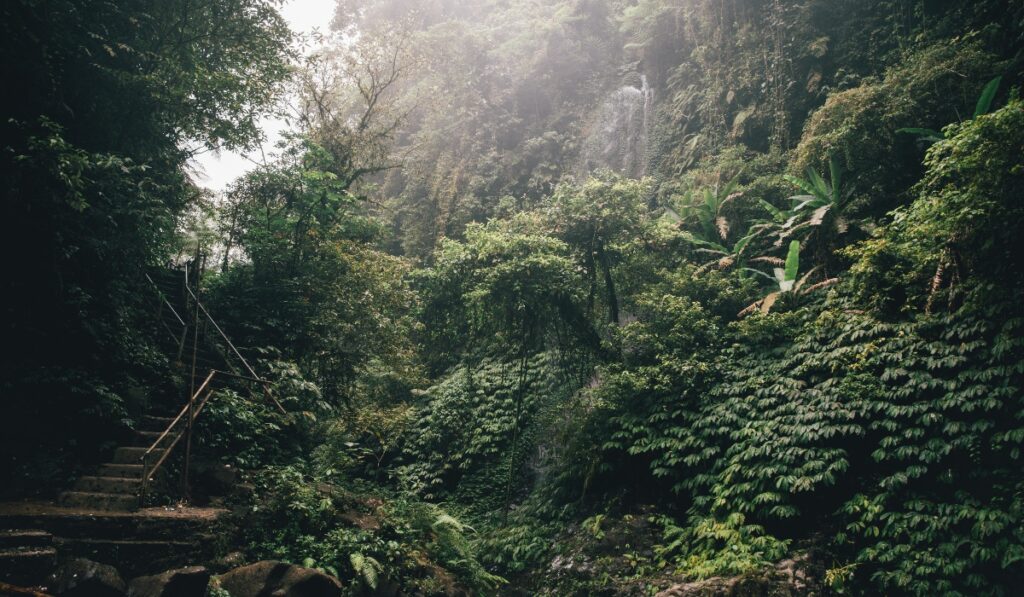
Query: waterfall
617 137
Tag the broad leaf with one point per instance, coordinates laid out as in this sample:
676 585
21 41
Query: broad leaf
691 238
987 95
742 243
793 261
836 173
671 215
820 188
925 134
802 201
800 183
775 212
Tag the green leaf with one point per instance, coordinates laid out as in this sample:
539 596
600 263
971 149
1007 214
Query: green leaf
775 212
690 237
821 189
742 243
987 95
710 201
800 183
671 215
835 171
793 261
730 186
925 134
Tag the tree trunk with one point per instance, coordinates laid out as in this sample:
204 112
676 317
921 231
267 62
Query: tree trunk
609 283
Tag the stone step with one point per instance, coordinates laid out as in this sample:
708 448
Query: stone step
14 538
151 423
128 455
30 565
127 471
146 439
95 484
135 557
72 523
99 501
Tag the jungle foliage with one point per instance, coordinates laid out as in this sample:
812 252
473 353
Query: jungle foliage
104 103
799 335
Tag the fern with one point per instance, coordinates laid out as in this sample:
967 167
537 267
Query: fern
366 568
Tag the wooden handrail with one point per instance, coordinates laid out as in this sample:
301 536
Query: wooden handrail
194 405
148 471
184 326
170 448
196 408
181 414
166 302
245 363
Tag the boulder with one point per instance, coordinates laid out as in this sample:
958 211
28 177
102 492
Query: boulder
228 561
79 577
212 480
183 582
278 579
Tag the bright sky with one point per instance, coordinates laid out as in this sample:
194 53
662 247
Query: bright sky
215 172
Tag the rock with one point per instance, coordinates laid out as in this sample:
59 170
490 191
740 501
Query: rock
278 579
183 582
79 577
712 587
229 561
216 478
789 578
566 564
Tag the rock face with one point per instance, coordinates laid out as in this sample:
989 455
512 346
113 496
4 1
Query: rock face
183 582
787 579
84 578
278 579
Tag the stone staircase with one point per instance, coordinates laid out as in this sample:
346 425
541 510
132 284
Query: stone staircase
26 555
101 517
146 541
116 485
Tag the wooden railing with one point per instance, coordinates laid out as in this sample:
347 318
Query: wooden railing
191 411
181 426
186 416
266 385
179 339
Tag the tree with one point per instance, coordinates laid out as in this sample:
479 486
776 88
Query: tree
595 219
312 282
349 105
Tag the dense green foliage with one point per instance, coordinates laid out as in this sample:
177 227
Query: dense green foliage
104 103
510 368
